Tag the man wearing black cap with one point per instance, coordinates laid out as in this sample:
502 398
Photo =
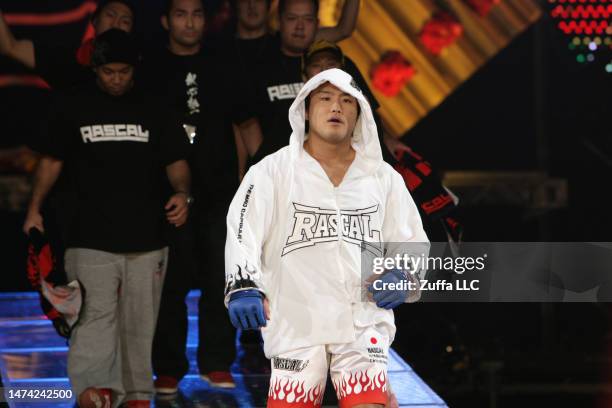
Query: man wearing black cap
60 65
279 76
114 144
323 55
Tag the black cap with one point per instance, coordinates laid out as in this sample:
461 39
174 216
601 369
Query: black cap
114 45
103 3
321 46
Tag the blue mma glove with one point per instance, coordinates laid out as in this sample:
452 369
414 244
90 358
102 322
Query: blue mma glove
246 310
387 298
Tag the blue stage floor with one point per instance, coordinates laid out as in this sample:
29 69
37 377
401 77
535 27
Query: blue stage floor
33 356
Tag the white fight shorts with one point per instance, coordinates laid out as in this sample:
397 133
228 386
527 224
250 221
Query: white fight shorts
358 371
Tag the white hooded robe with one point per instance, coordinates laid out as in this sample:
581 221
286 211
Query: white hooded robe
298 239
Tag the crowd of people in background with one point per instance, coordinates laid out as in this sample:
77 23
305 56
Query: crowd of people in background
206 109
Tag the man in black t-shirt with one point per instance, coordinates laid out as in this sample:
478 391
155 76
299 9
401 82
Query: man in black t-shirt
251 48
249 43
62 65
192 82
114 144
278 77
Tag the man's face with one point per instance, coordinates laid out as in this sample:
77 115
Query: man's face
252 14
298 25
185 22
322 61
332 114
114 15
115 78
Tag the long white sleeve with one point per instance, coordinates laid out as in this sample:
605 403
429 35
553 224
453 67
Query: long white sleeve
403 232
248 222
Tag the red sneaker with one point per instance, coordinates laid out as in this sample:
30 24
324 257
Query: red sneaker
166 385
95 398
220 379
138 404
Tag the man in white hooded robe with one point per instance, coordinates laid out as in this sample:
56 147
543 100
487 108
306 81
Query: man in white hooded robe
299 228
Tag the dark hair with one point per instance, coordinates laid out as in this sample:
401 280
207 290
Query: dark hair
234 5
168 4
115 45
103 3
168 7
307 106
282 5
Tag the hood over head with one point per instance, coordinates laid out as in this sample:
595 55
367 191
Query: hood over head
365 136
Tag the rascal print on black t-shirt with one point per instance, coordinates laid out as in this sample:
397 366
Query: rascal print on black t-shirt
114 133
284 91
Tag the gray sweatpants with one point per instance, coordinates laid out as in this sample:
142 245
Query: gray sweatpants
110 347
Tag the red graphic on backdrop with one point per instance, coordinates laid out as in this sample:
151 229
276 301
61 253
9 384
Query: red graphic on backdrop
583 27
392 73
580 11
440 31
482 7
